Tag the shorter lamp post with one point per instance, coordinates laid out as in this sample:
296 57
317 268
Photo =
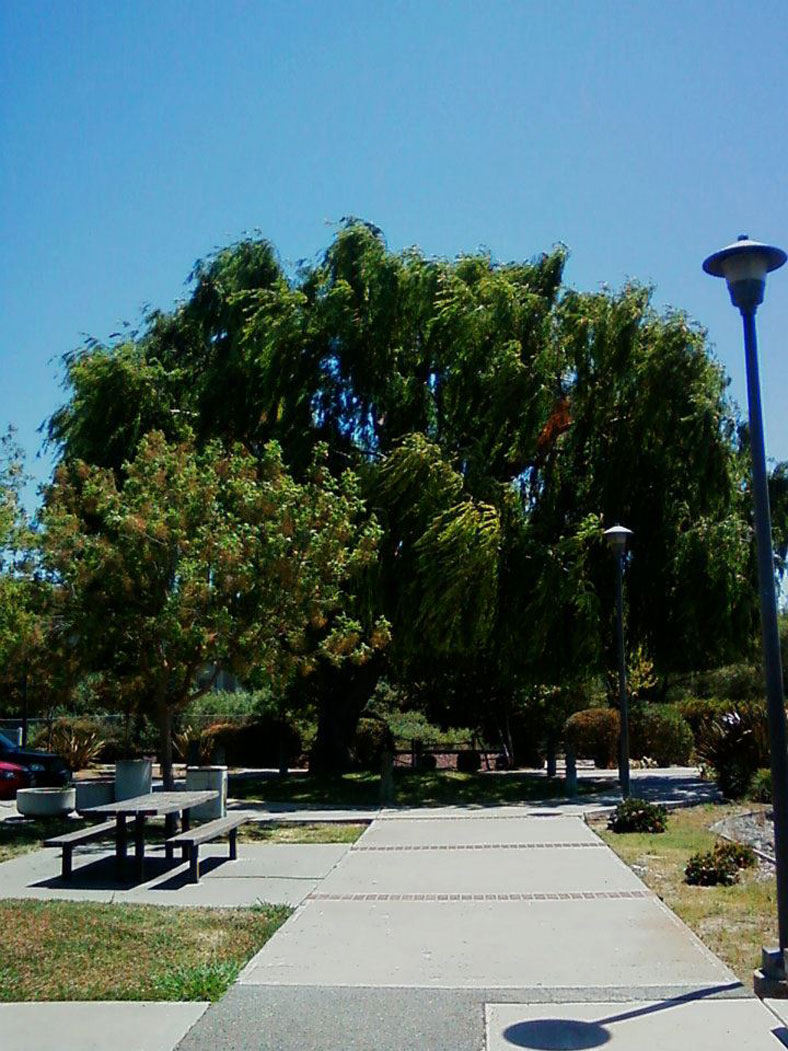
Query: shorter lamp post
744 265
617 538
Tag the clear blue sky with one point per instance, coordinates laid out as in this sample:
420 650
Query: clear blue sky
138 136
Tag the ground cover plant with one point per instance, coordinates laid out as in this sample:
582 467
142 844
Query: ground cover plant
721 865
58 950
638 815
734 921
411 788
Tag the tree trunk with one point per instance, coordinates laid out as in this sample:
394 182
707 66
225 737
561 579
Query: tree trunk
552 758
343 693
24 709
165 744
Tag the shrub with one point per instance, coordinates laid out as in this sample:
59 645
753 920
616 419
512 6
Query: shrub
469 762
720 865
708 869
371 739
226 706
662 734
760 790
742 855
637 815
264 742
78 742
700 711
735 744
594 734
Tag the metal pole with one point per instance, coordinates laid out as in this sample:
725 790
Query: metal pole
771 637
623 745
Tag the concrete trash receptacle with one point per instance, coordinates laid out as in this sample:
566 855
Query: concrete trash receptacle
94 793
133 777
204 779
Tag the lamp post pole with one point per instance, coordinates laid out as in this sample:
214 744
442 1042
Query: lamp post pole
744 265
617 539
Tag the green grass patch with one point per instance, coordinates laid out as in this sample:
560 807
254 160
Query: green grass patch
19 837
733 921
87 951
411 788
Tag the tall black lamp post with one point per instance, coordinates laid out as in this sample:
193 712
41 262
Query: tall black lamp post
744 265
617 538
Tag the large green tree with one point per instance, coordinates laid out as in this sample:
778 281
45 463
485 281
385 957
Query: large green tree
497 423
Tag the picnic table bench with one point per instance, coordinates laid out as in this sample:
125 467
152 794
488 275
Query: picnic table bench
154 804
190 840
69 840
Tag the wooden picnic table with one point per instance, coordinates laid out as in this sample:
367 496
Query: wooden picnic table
154 804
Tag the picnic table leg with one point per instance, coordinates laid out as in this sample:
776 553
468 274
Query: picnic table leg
169 831
185 826
194 863
120 840
139 844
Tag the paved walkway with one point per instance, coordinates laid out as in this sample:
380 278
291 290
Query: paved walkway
494 931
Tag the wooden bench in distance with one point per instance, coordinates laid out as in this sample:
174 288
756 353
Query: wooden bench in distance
190 841
69 840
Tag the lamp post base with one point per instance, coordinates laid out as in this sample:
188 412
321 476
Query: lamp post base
770 980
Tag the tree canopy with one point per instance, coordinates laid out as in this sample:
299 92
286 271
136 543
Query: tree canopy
206 559
496 420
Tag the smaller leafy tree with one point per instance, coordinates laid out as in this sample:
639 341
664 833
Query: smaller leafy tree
194 560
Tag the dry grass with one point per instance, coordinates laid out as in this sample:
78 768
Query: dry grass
733 921
87 951
265 832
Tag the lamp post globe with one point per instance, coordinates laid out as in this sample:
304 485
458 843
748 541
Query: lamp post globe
744 266
617 538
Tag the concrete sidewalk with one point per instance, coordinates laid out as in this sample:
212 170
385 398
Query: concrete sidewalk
277 873
491 930
108 1026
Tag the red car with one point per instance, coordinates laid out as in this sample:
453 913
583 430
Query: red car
12 777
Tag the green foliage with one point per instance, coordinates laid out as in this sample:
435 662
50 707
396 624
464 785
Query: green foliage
78 742
265 741
708 869
729 683
372 738
700 712
735 744
760 787
594 734
660 733
200 981
226 705
720 865
207 558
638 815
741 854
495 421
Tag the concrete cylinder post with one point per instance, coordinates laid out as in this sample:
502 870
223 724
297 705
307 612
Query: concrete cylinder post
133 777
208 779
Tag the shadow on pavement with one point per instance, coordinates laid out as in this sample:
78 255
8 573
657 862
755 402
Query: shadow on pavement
571 1034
